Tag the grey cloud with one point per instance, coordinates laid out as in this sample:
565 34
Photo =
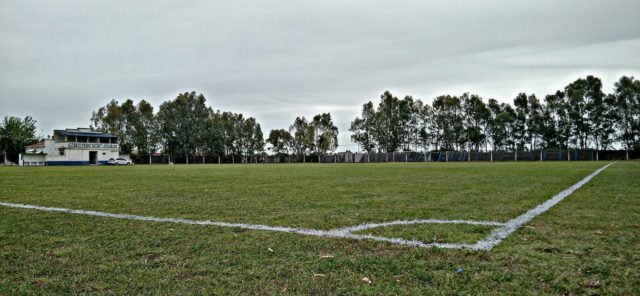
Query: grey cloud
276 60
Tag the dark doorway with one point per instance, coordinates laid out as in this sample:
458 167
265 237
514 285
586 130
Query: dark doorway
93 157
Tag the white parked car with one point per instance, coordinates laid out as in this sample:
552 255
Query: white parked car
119 161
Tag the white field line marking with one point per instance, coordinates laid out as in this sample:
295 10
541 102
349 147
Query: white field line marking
419 221
169 220
494 238
335 233
499 234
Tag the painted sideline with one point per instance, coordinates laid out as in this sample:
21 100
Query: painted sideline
334 233
362 227
499 234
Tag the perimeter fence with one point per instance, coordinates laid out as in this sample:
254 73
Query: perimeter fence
458 156
413 156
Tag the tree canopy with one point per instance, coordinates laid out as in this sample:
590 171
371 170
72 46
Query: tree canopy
15 134
580 116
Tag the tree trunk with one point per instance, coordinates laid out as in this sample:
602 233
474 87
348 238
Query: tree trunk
627 154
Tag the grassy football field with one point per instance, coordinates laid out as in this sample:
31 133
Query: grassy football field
587 244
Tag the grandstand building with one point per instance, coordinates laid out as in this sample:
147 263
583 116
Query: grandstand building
80 146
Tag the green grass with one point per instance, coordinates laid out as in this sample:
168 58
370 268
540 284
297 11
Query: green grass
587 244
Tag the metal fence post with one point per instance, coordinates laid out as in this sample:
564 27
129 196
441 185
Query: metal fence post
540 155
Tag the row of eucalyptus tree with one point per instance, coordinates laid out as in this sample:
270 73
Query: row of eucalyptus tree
182 128
320 135
581 116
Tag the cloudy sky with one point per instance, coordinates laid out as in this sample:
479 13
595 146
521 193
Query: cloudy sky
275 60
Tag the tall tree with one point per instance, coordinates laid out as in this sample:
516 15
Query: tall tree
249 139
130 118
598 106
214 144
229 134
604 133
388 130
583 95
242 138
326 131
627 102
476 119
502 125
363 128
183 124
405 115
556 122
449 121
521 121
426 125
256 142
281 141
110 119
416 125
535 123
120 120
168 119
303 137
15 134
145 129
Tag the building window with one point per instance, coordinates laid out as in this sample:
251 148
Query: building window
61 151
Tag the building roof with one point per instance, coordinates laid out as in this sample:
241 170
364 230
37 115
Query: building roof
75 133
35 146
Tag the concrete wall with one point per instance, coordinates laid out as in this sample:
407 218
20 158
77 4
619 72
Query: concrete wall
78 153
33 159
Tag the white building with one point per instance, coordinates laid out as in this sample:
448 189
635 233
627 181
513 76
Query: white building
79 146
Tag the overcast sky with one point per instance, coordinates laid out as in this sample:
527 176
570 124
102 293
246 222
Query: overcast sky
275 60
